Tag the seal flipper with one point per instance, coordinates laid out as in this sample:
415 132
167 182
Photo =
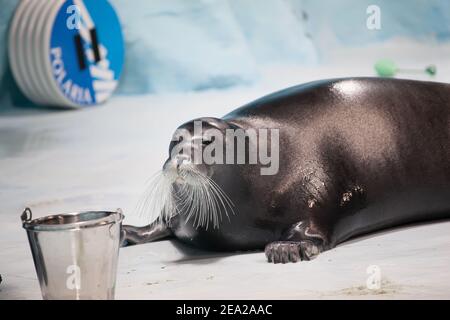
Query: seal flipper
291 251
306 239
301 243
132 235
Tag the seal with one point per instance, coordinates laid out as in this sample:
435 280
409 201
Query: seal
356 155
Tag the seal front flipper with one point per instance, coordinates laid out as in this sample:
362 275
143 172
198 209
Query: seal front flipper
306 239
132 235
302 243
291 251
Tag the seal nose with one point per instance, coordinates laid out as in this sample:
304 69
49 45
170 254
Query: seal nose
180 159
176 162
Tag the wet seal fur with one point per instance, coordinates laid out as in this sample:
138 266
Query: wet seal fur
357 155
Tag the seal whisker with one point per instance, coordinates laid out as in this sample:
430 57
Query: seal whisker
218 199
143 202
219 192
199 198
157 202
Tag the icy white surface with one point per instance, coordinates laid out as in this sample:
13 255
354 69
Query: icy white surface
101 158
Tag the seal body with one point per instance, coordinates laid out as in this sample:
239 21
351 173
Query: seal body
356 155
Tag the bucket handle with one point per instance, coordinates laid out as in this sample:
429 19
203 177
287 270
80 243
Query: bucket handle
123 234
27 215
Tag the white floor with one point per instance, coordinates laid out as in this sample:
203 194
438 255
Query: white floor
101 159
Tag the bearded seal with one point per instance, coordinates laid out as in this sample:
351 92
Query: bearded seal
356 155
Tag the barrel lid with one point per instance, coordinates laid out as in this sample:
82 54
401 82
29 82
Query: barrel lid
85 51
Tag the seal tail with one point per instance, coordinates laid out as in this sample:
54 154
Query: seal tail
132 235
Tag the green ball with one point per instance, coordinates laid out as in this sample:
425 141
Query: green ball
385 68
431 70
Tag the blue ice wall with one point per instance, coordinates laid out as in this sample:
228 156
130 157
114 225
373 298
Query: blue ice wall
346 20
182 45
179 45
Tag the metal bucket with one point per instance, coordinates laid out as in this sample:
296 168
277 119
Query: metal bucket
75 254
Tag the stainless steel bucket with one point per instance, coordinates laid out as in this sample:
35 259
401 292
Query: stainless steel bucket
75 254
